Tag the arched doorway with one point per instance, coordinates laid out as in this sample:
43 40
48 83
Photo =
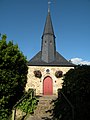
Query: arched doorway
48 86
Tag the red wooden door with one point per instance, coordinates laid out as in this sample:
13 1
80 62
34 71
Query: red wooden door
47 86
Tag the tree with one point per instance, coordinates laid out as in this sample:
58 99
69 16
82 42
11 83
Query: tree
76 86
13 75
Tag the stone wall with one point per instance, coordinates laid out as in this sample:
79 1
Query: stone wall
37 83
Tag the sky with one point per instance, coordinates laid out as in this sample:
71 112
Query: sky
23 22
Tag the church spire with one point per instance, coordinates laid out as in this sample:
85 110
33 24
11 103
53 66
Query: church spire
48 29
48 41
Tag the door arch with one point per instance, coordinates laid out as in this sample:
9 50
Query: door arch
47 86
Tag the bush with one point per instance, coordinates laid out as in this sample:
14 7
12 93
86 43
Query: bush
76 87
28 105
13 76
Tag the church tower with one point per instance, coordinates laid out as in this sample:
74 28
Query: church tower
48 56
48 47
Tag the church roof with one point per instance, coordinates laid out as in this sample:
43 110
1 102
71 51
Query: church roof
59 61
48 56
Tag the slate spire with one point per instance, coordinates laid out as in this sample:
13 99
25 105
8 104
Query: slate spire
48 29
48 47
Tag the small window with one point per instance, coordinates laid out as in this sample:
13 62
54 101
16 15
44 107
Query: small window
50 42
45 41
47 70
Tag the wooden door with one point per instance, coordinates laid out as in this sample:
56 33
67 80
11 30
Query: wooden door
47 86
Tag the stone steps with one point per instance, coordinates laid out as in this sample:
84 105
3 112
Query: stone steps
44 108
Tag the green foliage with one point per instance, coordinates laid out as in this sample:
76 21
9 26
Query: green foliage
76 87
28 105
13 75
62 110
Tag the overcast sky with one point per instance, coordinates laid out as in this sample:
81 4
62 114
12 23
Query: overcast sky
23 22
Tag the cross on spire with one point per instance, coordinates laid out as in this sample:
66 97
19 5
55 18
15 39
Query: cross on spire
49 5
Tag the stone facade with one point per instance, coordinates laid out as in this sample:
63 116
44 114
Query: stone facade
37 83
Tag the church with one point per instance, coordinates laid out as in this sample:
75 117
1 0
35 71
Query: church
47 67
